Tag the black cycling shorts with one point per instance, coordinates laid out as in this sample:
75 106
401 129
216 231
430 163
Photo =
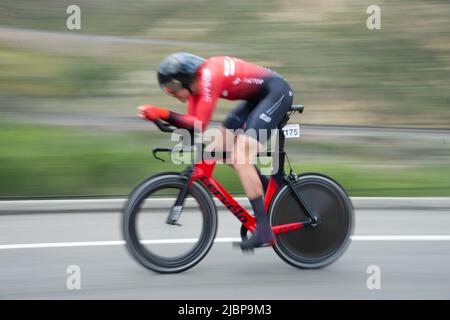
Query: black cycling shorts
264 112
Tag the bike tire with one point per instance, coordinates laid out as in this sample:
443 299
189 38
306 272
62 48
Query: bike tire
313 247
130 229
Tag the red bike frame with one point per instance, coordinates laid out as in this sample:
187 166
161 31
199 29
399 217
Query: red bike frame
203 172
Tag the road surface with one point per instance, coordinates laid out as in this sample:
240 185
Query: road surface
411 247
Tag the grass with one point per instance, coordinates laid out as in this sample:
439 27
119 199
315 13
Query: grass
47 161
344 73
39 74
392 182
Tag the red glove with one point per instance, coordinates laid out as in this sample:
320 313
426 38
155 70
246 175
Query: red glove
153 113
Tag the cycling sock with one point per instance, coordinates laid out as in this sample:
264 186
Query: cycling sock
258 208
262 223
263 234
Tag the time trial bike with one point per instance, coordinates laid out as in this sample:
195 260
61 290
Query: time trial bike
170 219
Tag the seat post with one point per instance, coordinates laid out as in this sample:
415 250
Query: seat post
280 153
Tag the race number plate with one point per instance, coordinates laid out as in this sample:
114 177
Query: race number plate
291 130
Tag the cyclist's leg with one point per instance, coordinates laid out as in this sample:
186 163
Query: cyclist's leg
234 121
266 115
237 120
244 154
243 160
269 112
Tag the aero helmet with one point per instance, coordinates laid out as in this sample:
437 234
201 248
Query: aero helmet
179 68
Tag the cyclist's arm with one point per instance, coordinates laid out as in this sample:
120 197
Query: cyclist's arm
179 120
186 121
200 108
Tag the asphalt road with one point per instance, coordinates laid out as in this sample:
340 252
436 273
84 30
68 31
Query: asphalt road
413 264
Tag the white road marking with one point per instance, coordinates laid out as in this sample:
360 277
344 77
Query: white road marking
60 244
402 238
220 240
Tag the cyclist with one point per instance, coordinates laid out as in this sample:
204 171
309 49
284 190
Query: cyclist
266 99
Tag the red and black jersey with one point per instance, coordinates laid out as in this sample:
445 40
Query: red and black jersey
222 77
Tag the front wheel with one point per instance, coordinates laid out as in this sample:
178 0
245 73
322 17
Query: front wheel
313 247
163 247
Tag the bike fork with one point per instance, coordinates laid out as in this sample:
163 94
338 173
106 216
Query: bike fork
177 208
313 220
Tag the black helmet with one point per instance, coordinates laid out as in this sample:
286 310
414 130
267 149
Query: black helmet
179 68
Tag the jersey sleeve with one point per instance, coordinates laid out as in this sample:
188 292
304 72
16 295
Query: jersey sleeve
187 120
210 88
201 107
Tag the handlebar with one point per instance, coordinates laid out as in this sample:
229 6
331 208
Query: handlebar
163 126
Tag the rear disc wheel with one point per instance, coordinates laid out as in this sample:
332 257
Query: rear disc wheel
313 247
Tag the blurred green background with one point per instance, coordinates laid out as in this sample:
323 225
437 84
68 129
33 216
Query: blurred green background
68 97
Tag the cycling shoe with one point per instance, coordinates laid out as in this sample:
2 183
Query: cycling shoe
261 238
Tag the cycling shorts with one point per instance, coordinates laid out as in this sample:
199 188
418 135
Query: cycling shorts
263 112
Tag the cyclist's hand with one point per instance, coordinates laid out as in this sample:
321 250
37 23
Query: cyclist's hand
152 113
